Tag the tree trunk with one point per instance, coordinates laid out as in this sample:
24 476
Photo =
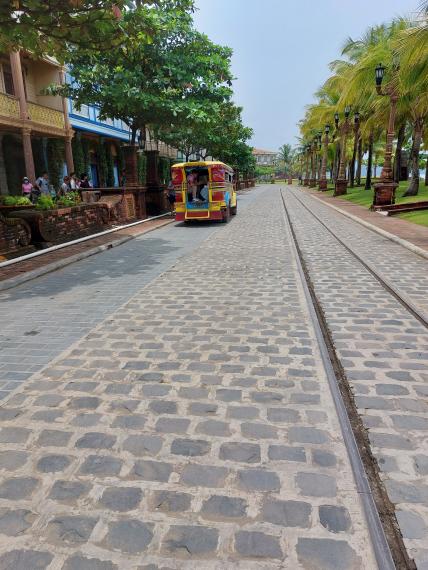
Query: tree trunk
369 164
359 161
426 172
413 189
397 158
352 161
336 161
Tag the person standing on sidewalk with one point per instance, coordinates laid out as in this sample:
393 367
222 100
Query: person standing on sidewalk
42 184
171 196
26 187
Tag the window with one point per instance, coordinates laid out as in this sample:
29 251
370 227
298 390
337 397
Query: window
8 80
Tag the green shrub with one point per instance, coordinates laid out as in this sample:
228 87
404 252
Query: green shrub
141 167
69 200
45 203
23 201
9 200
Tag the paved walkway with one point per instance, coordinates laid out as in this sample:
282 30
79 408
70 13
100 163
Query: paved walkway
45 316
418 235
49 260
194 427
383 350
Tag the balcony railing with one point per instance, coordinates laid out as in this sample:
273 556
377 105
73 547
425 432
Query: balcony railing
9 106
46 116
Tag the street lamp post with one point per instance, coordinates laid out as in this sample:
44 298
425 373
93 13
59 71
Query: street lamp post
323 179
341 181
313 179
384 191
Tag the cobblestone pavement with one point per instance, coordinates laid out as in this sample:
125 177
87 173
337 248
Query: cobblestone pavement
407 271
192 428
45 316
383 349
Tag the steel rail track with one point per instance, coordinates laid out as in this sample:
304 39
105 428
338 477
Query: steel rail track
401 297
387 543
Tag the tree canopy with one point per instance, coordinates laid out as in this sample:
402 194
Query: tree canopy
164 72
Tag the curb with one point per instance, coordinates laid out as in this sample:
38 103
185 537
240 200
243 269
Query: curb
28 276
403 242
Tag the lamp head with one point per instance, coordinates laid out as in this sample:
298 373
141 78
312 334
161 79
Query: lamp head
347 111
379 73
327 129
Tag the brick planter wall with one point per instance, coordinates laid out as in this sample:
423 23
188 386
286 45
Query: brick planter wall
15 234
65 224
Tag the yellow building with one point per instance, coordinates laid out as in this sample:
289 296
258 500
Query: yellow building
29 118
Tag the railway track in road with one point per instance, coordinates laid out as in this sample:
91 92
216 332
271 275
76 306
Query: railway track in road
385 534
398 294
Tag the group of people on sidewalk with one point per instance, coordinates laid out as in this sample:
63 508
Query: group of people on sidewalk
42 186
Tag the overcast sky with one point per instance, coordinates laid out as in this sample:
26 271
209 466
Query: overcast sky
282 49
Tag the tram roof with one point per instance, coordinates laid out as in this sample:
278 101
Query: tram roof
201 163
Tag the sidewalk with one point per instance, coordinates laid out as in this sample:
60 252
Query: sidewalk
22 271
416 235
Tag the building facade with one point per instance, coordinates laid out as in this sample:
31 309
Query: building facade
35 131
265 157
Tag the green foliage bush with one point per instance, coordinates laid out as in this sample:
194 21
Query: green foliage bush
15 201
55 155
142 167
69 200
45 203
78 156
164 170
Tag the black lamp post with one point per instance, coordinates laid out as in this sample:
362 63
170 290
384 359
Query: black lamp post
323 178
384 191
306 179
341 181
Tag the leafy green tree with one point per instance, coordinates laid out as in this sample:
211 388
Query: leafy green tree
53 27
163 71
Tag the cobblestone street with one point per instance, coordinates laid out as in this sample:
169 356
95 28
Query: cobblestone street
195 423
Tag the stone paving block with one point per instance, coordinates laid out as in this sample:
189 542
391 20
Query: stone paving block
243 452
335 519
316 484
129 536
257 545
287 513
101 465
15 522
18 488
68 490
53 463
70 529
140 445
190 447
170 502
152 470
121 499
79 562
221 507
25 559
203 476
258 480
190 541
327 554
